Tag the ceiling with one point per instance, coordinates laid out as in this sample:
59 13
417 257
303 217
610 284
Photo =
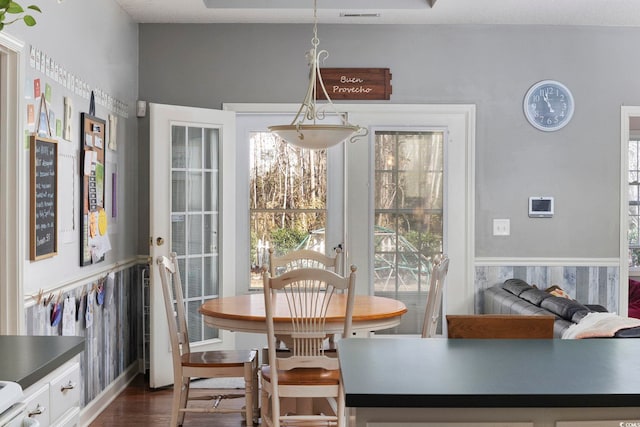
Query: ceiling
532 12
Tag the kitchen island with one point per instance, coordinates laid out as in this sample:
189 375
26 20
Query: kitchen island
48 371
533 383
28 359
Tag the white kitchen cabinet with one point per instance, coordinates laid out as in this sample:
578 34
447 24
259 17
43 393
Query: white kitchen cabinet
55 400
38 403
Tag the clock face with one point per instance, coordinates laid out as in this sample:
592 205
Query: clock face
548 105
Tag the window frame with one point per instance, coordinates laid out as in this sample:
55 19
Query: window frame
252 117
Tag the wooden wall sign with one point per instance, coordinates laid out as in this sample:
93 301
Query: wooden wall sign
355 83
43 218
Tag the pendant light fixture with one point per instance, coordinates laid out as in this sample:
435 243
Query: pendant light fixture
305 131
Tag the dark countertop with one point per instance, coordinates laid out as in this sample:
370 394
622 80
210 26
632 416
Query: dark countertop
27 359
450 373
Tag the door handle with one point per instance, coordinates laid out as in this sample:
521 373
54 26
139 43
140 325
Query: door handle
159 241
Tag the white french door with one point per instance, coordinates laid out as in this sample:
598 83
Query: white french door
192 213
457 124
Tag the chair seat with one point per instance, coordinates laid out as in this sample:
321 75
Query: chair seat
219 358
303 376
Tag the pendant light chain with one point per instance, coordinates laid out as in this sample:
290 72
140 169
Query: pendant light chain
304 131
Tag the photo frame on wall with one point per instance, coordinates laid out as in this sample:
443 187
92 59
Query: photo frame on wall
94 242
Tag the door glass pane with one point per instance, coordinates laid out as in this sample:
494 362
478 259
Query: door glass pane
194 161
287 199
194 219
194 234
178 191
194 278
210 147
210 233
178 144
182 265
210 181
194 320
210 276
408 209
178 234
194 187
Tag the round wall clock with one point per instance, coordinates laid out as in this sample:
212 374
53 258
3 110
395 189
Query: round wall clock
548 105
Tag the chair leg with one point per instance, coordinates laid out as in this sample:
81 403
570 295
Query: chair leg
176 404
249 393
265 405
184 398
256 389
341 412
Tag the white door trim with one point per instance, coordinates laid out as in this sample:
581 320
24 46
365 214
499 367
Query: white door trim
626 112
13 188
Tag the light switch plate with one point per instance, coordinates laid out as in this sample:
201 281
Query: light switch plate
501 227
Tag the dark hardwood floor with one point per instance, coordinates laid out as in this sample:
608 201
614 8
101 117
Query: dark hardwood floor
138 405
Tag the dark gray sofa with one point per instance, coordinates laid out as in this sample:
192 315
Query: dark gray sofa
516 296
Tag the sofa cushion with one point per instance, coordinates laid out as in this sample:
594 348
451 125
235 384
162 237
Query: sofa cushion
516 286
628 333
534 296
578 315
563 307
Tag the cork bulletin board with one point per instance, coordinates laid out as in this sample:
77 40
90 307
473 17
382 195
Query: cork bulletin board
93 218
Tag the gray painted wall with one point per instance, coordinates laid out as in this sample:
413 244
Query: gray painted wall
490 66
98 42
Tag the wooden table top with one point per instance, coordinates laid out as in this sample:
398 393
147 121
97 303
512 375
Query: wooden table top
247 312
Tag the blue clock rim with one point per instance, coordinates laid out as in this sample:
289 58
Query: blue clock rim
536 86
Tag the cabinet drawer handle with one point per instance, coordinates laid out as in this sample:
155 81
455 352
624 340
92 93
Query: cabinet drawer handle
70 386
38 411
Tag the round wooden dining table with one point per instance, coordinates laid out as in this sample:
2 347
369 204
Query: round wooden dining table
246 313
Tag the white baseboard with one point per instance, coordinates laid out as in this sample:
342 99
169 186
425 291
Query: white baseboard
91 411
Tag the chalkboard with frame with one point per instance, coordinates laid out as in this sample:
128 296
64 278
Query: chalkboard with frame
43 218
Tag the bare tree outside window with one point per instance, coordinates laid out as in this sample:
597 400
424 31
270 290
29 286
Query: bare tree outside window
288 197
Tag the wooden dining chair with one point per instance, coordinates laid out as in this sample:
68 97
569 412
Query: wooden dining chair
306 370
434 297
202 364
303 258
499 326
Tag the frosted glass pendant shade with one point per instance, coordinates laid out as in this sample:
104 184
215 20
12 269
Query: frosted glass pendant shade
313 136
